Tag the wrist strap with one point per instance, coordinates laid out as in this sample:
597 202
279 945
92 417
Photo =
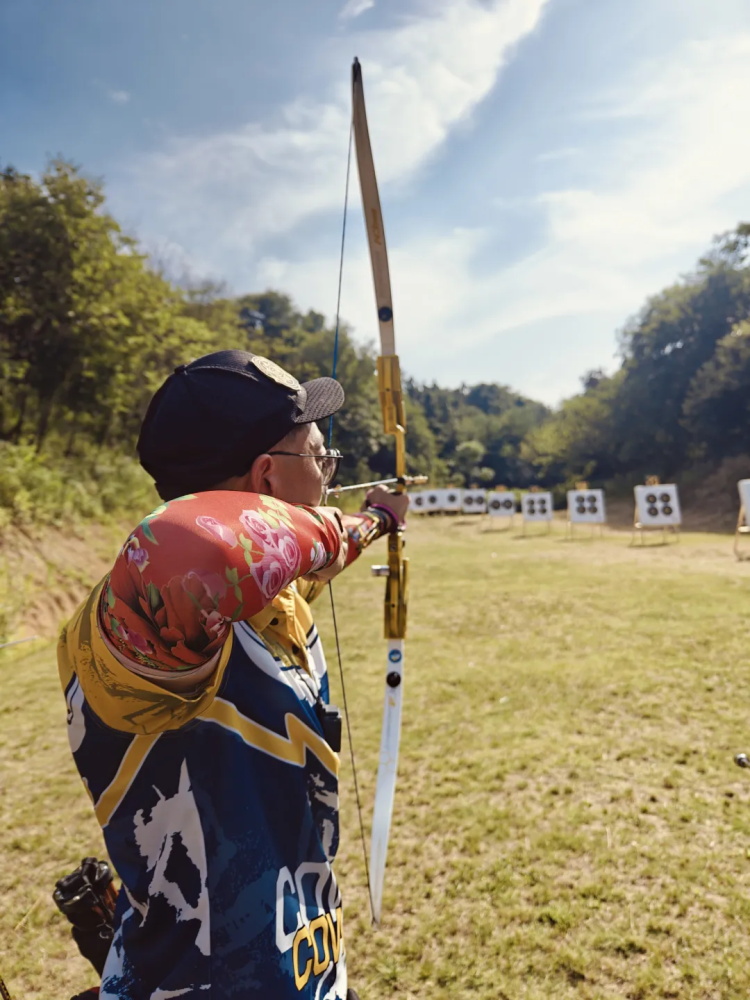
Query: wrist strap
393 522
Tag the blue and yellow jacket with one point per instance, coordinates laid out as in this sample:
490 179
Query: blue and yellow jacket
219 810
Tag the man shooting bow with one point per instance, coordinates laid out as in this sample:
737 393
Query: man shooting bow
197 693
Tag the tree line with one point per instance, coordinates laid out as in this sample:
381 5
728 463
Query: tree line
90 326
682 393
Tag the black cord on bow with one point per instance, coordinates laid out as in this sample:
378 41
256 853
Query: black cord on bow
334 367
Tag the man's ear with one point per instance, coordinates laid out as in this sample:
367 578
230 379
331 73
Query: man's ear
257 479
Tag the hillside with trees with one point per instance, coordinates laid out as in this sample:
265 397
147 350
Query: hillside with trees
681 394
89 327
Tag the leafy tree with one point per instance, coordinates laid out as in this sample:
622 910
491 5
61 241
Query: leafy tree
717 405
467 458
87 331
56 257
579 440
675 335
490 414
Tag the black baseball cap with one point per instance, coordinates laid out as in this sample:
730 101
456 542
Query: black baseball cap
213 417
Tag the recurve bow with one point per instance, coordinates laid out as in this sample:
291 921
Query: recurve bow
394 423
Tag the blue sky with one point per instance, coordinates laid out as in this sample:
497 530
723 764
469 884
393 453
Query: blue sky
544 165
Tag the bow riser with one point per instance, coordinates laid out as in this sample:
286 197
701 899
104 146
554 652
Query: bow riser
395 588
392 405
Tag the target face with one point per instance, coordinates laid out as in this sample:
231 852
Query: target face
658 506
536 506
501 505
586 507
433 500
452 498
474 502
743 487
418 501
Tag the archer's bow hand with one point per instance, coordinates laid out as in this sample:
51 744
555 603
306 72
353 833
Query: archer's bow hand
391 503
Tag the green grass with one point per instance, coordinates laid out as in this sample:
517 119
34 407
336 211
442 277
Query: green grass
568 819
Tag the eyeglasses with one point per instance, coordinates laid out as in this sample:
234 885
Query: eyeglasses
329 461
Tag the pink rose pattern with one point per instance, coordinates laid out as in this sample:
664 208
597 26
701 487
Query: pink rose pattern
221 531
136 555
318 556
281 555
257 527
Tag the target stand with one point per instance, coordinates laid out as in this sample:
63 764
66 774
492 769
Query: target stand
536 505
585 507
657 507
501 506
743 528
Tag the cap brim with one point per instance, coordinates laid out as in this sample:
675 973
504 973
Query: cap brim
324 397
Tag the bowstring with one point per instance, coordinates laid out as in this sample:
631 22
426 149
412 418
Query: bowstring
334 369
355 780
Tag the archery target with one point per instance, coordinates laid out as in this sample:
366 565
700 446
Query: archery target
452 498
474 502
586 507
658 506
536 506
418 501
501 505
743 486
433 500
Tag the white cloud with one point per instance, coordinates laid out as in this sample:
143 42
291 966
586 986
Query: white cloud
679 167
565 153
118 96
234 190
353 8
680 175
669 177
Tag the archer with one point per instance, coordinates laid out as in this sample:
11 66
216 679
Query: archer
197 692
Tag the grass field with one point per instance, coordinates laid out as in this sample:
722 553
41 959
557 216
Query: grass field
569 822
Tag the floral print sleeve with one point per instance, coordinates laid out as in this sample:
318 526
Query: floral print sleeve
199 563
362 529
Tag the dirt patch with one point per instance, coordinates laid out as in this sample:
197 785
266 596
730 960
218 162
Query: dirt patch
714 502
45 575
